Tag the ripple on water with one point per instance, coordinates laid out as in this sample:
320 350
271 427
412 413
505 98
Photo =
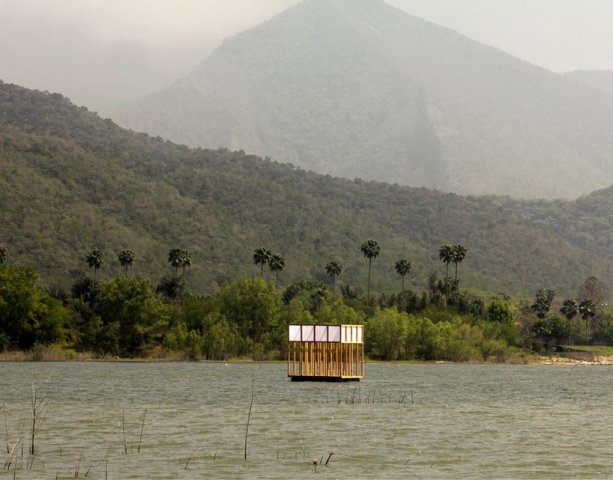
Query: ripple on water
402 421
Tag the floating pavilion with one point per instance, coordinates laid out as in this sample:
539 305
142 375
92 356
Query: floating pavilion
325 353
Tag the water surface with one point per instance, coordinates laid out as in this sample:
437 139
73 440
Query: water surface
401 421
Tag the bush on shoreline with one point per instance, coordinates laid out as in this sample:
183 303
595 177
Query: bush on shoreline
248 319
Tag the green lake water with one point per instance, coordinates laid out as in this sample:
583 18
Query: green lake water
401 421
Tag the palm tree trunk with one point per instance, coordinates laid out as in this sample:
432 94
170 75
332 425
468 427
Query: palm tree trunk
456 272
368 288
262 270
333 287
403 283
446 279
276 278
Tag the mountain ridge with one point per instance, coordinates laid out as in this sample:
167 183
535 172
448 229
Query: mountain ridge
601 80
362 89
77 182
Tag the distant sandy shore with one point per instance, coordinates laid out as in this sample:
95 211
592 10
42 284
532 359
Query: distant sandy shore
572 359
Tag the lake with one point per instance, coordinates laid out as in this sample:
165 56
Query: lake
402 421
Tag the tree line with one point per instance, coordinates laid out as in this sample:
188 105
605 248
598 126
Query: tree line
248 317
370 249
577 320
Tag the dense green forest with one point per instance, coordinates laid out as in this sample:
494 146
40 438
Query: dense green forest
147 248
586 222
73 182
249 317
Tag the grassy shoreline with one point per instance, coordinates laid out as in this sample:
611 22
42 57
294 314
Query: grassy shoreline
576 355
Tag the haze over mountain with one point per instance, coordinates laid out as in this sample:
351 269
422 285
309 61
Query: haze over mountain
599 79
101 54
73 182
357 88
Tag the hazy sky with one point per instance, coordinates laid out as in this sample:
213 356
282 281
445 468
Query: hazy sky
102 52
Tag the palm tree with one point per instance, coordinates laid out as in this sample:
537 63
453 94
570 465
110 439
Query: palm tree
276 264
587 310
126 258
261 256
403 267
458 254
174 258
370 249
334 268
542 302
95 260
445 253
569 309
4 254
186 260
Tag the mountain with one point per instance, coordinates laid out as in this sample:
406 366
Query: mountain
586 222
356 88
72 181
599 79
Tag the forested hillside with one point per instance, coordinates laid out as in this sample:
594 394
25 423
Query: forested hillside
71 182
356 88
586 222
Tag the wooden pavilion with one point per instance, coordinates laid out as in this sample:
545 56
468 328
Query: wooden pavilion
332 353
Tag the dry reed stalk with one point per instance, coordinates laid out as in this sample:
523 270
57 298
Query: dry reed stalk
77 465
123 427
13 357
249 417
38 407
9 460
142 427
190 457
97 464
34 403
6 431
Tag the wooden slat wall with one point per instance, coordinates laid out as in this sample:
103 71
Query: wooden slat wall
323 359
